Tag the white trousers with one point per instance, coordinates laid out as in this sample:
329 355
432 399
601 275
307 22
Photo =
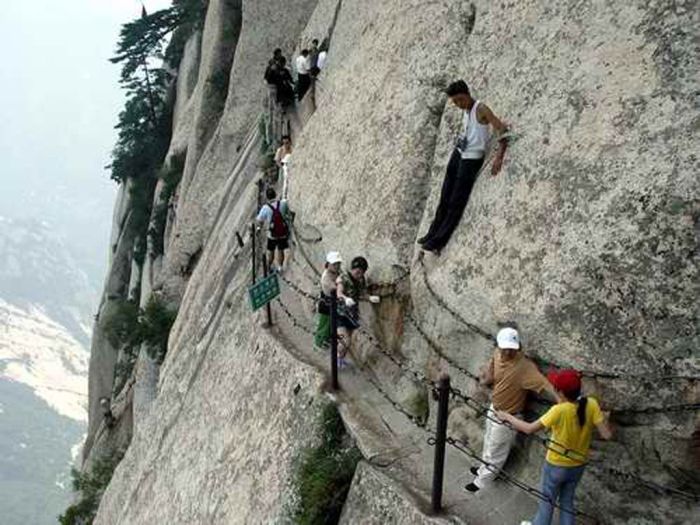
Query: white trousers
285 182
498 440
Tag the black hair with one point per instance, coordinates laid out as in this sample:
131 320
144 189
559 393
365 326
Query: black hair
276 52
286 137
458 87
270 193
581 403
315 41
359 262
304 52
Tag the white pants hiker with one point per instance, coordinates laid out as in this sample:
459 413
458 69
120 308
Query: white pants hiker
498 440
285 180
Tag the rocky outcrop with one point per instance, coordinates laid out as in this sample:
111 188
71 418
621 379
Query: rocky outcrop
587 240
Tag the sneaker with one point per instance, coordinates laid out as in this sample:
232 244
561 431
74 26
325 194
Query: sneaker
474 470
471 487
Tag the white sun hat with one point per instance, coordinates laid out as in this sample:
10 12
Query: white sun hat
333 257
508 338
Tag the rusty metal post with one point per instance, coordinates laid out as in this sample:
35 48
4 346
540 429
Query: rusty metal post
334 340
253 242
267 306
440 439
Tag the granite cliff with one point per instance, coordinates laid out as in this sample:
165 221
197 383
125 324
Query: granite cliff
588 240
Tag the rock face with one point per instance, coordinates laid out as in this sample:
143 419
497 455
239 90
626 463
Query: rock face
587 240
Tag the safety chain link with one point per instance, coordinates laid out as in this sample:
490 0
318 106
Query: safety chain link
298 288
481 410
490 337
303 252
662 489
465 449
434 346
295 322
421 378
417 421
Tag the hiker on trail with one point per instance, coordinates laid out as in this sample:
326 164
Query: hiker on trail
273 66
571 423
512 376
107 412
303 76
277 74
274 213
282 157
329 277
277 56
464 165
313 55
352 286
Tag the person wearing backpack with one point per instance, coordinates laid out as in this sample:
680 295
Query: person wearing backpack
571 423
274 213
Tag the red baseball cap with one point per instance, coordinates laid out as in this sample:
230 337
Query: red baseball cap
565 380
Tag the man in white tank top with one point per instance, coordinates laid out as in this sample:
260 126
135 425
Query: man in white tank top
464 165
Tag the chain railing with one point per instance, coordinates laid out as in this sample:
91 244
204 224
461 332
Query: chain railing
478 407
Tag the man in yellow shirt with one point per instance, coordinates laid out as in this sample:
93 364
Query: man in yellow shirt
571 423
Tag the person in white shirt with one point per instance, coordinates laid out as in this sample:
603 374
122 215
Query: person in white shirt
321 60
464 165
282 158
303 76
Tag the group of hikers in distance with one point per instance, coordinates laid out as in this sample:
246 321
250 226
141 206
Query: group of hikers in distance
308 65
509 373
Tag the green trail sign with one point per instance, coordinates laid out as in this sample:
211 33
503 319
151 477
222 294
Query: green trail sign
264 291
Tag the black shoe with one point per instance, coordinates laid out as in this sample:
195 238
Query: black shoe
434 251
471 487
474 470
422 240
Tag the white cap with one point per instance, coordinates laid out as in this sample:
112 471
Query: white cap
508 338
333 257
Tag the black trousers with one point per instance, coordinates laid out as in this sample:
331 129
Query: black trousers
459 180
304 82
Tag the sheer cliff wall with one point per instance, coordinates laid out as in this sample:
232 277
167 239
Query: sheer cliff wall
587 240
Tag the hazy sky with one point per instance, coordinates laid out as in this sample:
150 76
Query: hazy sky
60 100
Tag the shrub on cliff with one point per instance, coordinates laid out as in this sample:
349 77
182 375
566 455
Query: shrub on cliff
128 327
325 472
91 485
155 322
171 178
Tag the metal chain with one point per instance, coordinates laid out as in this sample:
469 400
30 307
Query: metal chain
295 322
490 337
399 363
481 410
434 346
662 489
420 423
508 478
411 417
297 288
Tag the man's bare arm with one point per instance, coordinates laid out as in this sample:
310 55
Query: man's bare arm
485 114
486 375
